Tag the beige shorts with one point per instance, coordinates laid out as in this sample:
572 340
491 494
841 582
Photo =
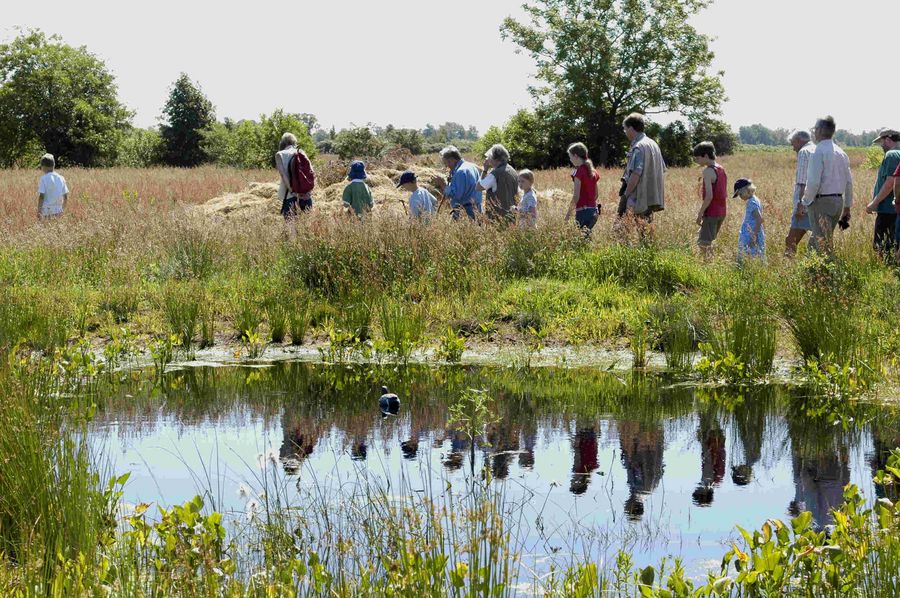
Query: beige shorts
709 230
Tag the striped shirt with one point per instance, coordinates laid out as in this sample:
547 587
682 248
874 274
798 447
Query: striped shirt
829 174
802 169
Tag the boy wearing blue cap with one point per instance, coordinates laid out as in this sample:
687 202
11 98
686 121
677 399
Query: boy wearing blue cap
752 239
357 195
422 204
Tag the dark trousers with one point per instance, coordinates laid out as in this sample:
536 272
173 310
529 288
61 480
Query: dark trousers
885 230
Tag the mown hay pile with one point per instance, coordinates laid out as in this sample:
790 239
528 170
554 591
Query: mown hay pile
262 198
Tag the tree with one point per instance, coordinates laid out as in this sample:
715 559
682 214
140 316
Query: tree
717 131
186 114
358 142
674 142
598 60
310 120
58 99
140 148
252 144
410 139
523 136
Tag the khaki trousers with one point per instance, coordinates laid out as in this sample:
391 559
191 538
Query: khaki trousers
824 213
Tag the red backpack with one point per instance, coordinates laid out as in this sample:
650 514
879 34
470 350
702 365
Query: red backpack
300 174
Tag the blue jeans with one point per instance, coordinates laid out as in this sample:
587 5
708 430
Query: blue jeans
469 208
587 217
291 206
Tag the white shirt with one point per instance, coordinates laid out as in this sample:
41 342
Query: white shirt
54 188
421 203
489 183
803 157
829 174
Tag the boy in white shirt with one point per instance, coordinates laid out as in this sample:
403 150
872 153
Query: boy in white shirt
53 193
422 204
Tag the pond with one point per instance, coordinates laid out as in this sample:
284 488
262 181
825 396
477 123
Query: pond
592 461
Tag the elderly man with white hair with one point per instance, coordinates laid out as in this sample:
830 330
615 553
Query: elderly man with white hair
802 143
501 182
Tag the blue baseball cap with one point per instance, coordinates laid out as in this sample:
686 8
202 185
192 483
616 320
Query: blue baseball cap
407 177
740 184
357 171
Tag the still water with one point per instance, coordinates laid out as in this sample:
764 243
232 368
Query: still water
593 460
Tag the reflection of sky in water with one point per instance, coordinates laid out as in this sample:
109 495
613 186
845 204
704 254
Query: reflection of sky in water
675 486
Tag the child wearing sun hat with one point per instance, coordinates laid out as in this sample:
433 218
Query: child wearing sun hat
357 195
752 239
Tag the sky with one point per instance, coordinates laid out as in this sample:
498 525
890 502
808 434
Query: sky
412 62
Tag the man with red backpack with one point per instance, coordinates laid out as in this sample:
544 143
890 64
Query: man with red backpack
297 177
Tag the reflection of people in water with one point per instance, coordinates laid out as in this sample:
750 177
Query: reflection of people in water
300 435
750 426
819 482
527 442
359 451
459 447
642 446
584 445
712 458
504 441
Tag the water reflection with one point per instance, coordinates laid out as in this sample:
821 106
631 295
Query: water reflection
714 448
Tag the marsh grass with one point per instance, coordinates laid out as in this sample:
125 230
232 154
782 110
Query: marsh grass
182 306
247 309
299 320
402 328
277 317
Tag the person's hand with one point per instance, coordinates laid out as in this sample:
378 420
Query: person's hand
846 214
871 207
801 210
487 164
700 219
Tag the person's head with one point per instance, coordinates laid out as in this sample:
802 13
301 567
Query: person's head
705 153
287 140
526 180
744 188
408 181
634 125
357 171
824 128
578 155
48 163
497 155
451 156
888 139
798 139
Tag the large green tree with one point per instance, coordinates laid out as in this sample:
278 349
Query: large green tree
598 60
186 115
58 99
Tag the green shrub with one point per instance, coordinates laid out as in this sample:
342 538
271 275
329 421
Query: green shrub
402 327
182 305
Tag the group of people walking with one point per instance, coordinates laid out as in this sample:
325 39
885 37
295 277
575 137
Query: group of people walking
822 194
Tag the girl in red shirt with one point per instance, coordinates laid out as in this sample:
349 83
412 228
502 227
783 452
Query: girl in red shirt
584 196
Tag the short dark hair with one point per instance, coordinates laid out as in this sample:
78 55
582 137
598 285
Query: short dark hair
705 149
48 161
826 126
635 120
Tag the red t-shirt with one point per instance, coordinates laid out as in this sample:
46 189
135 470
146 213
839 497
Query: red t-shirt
717 207
896 202
588 177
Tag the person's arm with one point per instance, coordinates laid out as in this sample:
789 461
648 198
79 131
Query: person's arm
282 169
370 203
886 189
758 217
708 180
487 181
347 196
576 193
454 189
40 204
813 179
848 191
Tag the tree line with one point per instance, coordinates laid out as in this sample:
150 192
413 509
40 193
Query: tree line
761 135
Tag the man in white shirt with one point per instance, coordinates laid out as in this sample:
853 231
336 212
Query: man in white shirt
53 193
829 188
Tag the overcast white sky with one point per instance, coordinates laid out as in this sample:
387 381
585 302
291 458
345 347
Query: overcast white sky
410 62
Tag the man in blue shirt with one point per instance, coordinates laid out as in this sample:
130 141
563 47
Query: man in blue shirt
882 203
462 190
